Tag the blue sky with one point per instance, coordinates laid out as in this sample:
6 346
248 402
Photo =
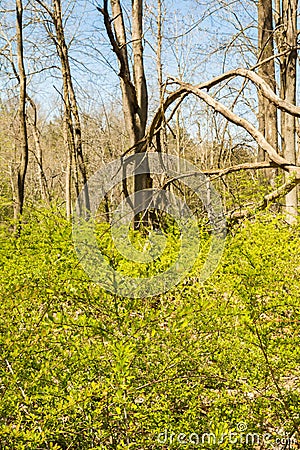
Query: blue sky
191 33
197 36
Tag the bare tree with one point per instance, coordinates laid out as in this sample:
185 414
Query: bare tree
23 139
33 120
72 124
133 85
286 32
227 96
290 83
267 112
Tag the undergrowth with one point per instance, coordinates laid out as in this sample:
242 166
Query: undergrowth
84 369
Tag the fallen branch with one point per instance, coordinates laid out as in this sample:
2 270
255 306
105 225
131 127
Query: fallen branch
280 192
221 172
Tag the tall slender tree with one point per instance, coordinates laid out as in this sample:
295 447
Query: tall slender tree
133 84
267 111
286 33
72 123
22 138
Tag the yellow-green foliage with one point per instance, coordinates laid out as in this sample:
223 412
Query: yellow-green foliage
83 369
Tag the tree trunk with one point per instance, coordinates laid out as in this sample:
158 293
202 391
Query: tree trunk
143 181
134 93
72 125
267 111
23 140
287 39
44 190
71 107
159 23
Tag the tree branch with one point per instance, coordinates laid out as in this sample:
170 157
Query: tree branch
258 81
186 89
119 49
284 189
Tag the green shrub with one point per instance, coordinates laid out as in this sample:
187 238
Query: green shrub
83 369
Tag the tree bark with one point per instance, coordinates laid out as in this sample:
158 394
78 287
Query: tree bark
159 23
23 139
134 93
72 106
267 112
44 191
143 181
286 15
72 124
